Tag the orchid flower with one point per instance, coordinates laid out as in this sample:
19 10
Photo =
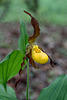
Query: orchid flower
33 51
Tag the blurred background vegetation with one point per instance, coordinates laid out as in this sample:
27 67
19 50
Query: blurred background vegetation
52 18
46 11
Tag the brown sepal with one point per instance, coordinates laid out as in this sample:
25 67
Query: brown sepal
31 61
22 64
17 83
51 62
20 72
35 25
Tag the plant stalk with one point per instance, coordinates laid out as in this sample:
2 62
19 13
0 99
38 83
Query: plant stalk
27 89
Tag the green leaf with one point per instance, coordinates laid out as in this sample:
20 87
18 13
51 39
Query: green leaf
10 66
56 91
23 40
7 95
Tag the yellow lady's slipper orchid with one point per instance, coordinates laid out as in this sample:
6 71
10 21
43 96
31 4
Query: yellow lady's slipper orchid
33 52
38 55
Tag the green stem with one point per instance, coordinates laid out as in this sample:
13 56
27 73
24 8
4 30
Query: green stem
27 80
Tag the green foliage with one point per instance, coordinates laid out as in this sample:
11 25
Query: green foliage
32 5
53 11
23 40
56 91
48 11
7 95
15 12
10 66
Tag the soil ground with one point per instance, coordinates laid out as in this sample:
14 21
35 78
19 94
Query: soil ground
53 40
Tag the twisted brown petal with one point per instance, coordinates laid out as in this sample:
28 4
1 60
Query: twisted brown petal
51 62
31 61
20 72
35 25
